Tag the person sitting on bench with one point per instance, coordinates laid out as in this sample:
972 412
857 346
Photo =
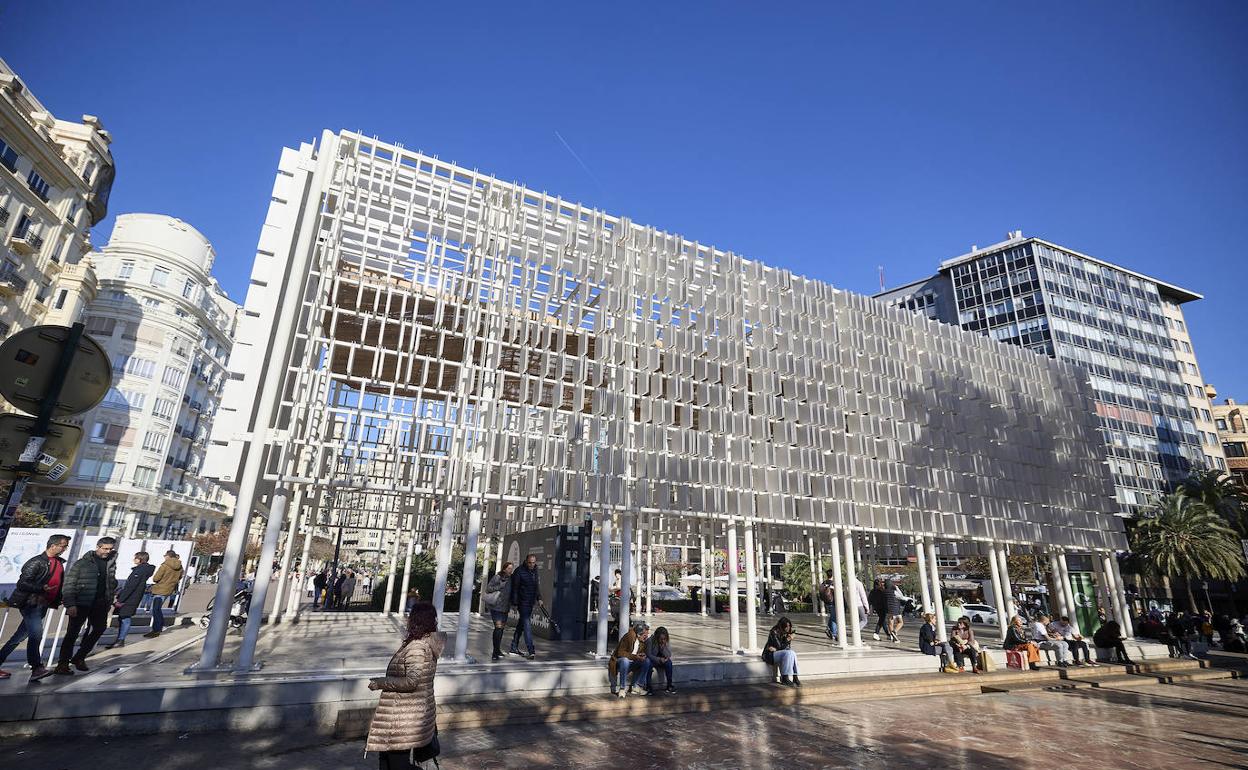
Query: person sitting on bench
1016 639
930 645
630 655
1066 630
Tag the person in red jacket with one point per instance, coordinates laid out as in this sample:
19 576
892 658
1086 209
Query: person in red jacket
38 589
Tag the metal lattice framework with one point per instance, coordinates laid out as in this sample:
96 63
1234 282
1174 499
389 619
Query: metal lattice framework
462 337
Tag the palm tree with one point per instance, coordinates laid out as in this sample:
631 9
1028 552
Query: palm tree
1217 490
1185 538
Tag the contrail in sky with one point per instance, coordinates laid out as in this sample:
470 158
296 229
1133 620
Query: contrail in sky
571 151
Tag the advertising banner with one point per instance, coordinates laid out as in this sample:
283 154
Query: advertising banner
563 576
1084 589
23 544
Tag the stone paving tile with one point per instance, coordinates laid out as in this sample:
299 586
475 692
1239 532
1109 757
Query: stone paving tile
1198 725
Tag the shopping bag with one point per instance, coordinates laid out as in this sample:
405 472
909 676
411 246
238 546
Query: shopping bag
985 661
1016 659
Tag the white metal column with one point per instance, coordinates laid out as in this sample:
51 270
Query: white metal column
816 605
275 363
1128 625
485 575
264 575
287 557
469 579
937 601
444 556
1072 609
626 571
839 584
1003 562
734 620
1059 598
847 545
1003 617
923 579
649 572
295 600
751 589
387 608
604 585
706 591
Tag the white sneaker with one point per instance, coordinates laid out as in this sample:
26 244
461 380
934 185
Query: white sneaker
623 693
875 636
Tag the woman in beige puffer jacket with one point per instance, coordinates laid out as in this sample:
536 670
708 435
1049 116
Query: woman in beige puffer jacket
406 717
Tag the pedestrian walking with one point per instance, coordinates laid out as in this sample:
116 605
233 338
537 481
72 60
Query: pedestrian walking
164 585
525 593
336 599
827 594
404 726
90 584
498 602
893 599
878 600
863 603
39 587
348 589
129 594
318 587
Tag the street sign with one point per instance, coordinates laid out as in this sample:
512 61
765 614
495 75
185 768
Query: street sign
28 363
55 457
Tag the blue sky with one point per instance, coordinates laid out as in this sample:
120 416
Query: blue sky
825 138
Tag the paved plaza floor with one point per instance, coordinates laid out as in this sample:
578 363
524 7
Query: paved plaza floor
1171 726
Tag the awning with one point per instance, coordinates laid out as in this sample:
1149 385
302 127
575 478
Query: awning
960 585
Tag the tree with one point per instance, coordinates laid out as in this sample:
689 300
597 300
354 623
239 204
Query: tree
796 576
1183 537
210 543
1221 494
27 516
1021 566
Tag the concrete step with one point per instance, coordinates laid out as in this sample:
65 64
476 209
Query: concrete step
468 713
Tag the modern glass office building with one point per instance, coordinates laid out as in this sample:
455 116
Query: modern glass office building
1125 329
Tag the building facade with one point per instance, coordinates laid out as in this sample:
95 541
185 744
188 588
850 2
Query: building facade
1126 330
1231 420
168 329
55 178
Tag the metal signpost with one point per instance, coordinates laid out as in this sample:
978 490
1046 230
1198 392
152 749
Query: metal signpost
47 371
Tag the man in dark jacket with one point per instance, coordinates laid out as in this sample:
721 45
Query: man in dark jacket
90 585
318 587
38 588
129 595
525 592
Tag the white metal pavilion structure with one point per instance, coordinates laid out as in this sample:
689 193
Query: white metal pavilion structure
469 357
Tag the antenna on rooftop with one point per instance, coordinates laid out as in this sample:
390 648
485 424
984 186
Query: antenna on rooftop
881 278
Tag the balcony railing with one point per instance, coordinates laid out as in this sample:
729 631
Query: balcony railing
10 281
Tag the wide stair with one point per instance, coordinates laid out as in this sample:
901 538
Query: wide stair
497 711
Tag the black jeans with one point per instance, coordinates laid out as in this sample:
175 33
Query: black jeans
96 618
1075 646
882 623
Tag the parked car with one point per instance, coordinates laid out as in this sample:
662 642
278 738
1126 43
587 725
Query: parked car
980 613
668 593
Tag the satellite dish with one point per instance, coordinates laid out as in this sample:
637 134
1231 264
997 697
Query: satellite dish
28 362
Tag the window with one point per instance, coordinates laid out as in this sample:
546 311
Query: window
1221 424
139 367
8 156
173 377
144 476
151 303
107 433
1235 449
163 408
101 326
61 297
160 276
99 470
188 288
124 398
127 269
154 441
38 185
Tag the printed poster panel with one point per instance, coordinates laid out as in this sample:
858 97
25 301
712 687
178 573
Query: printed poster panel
23 544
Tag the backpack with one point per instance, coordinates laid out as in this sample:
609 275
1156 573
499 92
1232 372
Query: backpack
826 593
492 597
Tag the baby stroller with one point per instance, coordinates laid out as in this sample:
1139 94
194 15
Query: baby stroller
238 609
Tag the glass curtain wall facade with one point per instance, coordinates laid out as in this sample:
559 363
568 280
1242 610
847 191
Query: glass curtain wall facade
1112 322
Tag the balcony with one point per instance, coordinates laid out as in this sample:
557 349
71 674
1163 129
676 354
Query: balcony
26 243
11 283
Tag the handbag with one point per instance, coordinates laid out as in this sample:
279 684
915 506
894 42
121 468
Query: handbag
429 751
985 662
1016 659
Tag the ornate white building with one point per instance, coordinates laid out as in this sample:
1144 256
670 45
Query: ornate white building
168 329
55 178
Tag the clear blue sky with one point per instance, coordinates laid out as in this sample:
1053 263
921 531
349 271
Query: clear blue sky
828 140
